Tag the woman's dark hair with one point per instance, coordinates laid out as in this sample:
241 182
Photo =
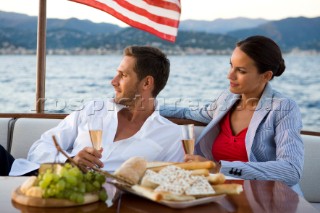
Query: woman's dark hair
150 61
265 53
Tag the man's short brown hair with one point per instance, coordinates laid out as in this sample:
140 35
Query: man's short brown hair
150 61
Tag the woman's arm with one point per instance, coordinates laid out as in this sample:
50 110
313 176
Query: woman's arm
202 115
286 162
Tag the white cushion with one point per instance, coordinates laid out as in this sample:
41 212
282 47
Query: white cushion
316 205
311 173
26 131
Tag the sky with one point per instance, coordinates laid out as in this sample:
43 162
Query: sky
191 9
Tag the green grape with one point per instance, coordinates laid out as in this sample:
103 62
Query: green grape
80 198
82 187
50 192
89 176
89 187
55 177
68 166
103 195
100 178
72 180
96 184
73 196
60 195
67 194
61 184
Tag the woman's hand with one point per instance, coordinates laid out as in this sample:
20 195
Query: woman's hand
88 158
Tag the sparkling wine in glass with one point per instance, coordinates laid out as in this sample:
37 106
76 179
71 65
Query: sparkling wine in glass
188 138
95 130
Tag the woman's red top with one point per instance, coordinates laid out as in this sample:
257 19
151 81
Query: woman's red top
227 146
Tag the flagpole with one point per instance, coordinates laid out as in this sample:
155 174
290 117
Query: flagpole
41 56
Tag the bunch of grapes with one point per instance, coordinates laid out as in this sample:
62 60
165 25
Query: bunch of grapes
69 182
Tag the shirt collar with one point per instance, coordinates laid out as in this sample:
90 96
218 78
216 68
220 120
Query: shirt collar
115 106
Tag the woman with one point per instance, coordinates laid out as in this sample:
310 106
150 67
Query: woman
253 132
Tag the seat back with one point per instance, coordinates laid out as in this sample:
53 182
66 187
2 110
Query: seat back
310 182
26 131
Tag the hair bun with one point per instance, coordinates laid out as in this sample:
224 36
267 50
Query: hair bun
281 68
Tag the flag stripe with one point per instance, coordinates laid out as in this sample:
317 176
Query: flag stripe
153 13
139 14
170 5
130 15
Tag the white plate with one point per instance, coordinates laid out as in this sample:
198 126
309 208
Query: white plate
174 204
186 204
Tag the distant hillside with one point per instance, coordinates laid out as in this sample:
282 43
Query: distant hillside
132 36
24 22
301 32
73 36
221 26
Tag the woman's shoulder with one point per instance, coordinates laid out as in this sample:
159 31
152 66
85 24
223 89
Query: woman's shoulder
283 101
281 98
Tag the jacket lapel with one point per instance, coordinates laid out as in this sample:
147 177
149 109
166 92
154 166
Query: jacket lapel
223 105
263 108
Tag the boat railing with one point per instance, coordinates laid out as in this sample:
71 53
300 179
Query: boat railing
63 115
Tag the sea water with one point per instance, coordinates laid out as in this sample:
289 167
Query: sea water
72 81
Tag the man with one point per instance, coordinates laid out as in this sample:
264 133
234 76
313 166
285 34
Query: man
131 124
6 161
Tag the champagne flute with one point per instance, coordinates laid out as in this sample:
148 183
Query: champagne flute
188 138
95 126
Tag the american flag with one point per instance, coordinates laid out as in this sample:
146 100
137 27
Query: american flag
158 17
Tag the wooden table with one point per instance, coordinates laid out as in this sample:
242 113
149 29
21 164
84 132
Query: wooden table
258 196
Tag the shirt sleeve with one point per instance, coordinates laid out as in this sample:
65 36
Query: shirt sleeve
173 152
44 150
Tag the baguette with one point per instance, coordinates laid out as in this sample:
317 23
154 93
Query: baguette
215 179
158 163
198 172
173 197
190 165
231 188
147 192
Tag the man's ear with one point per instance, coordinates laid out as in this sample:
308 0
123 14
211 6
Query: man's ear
148 82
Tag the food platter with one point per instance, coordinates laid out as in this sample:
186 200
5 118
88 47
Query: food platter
173 204
20 198
190 203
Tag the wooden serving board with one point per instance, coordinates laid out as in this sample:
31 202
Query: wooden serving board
20 198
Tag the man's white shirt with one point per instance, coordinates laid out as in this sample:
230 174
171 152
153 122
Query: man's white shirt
158 139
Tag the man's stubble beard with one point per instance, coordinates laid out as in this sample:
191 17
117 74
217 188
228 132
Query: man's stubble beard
128 99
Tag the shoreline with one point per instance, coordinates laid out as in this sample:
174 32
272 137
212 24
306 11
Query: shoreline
103 51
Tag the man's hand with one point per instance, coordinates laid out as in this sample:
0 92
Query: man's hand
88 158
